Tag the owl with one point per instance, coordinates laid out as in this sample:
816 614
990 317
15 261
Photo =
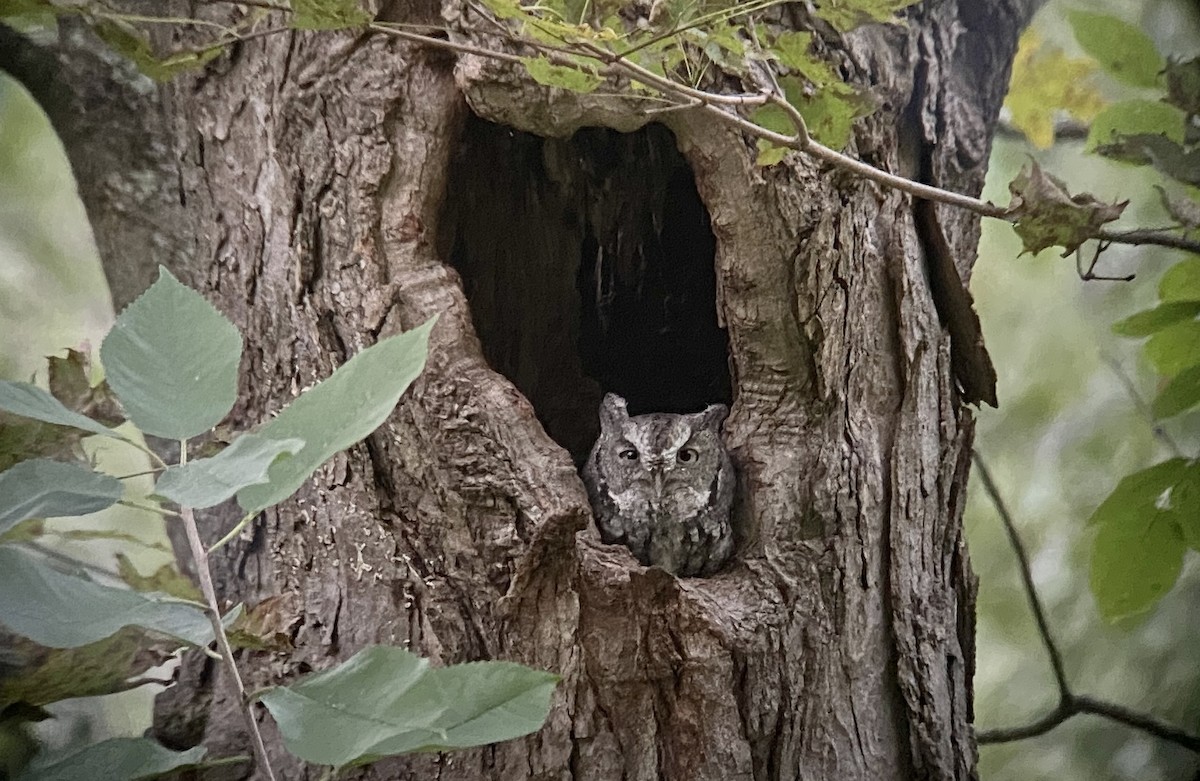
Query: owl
662 486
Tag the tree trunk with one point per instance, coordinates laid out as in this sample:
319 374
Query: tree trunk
325 190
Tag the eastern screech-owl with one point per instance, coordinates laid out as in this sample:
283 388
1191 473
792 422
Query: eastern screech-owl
662 485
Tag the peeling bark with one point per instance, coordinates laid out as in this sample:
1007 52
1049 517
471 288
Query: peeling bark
310 177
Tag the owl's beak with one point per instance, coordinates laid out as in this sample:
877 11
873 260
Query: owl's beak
658 477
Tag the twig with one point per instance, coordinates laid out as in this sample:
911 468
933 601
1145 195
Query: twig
1035 602
1069 703
1137 720
1142 406
723 15
258 4
1163 238
200 557
717 105
232 533
1090 274
442 43
146 508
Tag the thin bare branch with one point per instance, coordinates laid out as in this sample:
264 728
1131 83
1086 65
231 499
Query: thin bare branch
718 106
722 107
1142 407
1077 704
1090 274
442 43
1069 703
1137 720
1031 730
1035 602
1161 238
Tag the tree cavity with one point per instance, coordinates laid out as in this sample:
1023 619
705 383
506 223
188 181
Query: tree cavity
589 267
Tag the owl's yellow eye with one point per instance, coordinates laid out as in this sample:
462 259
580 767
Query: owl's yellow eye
686 455
629 454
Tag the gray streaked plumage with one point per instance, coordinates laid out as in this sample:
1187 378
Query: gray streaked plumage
662 485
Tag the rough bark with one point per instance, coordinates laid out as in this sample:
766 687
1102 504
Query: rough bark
315 176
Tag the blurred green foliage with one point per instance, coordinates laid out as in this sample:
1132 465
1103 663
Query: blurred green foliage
1075 418
53 292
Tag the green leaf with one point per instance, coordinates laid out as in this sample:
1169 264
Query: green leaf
61 610
1133 117
792 50
483 702
22 439
1138 550
773 118
336 413
209 481
172 360
830 116
70 384
24 15
1048 215
1135 564
23 7
328 14
573 79
39 676
25 531
845 15
769 154
1175 348
132 43
115 759
726 39
1121 48
505 9
1140 494
385 701
1151 321
1181 163
1044 84
1181 282
829 112
166 579
40 488
1183 209
30 401
1185 499
1180 394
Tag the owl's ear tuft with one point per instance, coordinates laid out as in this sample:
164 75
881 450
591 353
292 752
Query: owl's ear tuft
612 411
712 417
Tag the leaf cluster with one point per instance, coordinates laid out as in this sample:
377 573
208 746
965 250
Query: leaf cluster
1146 525
171 365
1155 126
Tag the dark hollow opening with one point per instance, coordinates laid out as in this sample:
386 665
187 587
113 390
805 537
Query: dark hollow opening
589 267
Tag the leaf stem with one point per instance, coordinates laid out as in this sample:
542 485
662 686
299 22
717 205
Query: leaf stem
200 557
143 473
235 531
147 508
